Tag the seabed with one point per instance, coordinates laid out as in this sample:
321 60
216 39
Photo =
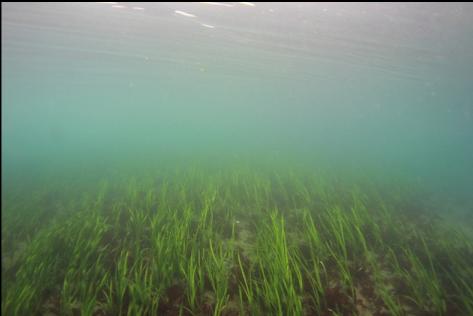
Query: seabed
237 241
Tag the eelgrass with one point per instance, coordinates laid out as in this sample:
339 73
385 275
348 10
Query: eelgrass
243 241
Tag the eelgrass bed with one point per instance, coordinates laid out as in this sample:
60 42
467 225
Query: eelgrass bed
239 241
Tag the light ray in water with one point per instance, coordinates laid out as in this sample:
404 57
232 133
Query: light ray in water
207 25
221 4
184 14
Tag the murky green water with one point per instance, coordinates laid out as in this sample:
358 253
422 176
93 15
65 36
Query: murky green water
166 158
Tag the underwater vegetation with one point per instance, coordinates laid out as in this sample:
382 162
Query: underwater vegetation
238 241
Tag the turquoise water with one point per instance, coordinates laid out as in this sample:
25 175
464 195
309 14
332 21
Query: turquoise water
98 92
383 85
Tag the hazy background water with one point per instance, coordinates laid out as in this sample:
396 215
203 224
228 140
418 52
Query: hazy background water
367 86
